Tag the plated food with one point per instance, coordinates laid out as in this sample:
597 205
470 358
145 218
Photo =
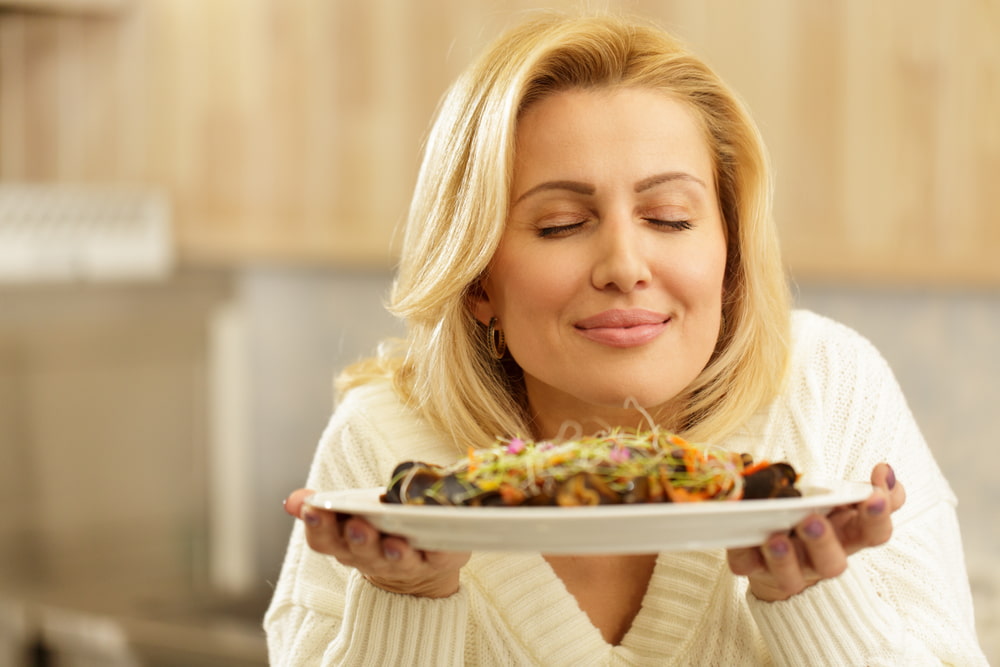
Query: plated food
612 468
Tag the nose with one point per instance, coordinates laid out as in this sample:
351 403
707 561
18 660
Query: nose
620 259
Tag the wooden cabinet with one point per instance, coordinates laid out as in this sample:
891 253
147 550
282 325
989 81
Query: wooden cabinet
290 131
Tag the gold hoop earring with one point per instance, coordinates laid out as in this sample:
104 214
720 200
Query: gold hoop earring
495 340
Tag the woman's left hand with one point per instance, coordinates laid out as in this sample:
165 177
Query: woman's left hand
819 546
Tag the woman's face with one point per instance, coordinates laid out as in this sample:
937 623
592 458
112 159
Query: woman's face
608 280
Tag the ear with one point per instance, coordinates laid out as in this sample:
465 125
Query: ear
479 304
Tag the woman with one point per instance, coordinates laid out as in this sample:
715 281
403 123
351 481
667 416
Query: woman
591 230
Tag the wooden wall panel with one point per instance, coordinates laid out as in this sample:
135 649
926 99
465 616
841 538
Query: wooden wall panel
290 131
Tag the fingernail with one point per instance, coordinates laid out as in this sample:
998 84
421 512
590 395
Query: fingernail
311 518
814 529
355 535
778 548
392 553
876 507
890 479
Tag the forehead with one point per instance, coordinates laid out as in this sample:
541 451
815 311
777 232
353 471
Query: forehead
581 133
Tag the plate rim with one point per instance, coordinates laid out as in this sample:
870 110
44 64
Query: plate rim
424 526
819 494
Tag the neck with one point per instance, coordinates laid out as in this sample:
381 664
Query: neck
577 421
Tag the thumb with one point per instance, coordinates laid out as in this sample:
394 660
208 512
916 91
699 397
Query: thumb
294 502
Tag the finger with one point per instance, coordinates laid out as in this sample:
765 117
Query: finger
398 550
745 561
293 503
323 531
783 564
402 559
884 476
363 543
875 518
823 549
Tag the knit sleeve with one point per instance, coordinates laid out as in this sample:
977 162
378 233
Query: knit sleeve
906 602
323 613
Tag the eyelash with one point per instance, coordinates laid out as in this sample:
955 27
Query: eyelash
560 230
671 224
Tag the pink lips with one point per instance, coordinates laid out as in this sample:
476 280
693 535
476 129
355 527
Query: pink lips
623 328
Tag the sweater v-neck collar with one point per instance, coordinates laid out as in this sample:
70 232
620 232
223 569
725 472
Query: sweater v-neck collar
524 586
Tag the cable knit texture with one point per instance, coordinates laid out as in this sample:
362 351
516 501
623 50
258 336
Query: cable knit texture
904 603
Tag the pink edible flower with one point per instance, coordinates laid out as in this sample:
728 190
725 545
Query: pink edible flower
515 446
619 455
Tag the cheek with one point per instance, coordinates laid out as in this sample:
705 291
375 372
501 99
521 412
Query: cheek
698 278
523 302
523 291
713 268
713 294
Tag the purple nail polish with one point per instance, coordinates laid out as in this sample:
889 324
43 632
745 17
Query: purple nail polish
814 529
311 518
392 553
778 549
876 507
355 535
890 479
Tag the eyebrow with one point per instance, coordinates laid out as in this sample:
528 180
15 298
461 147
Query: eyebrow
571 186
587 189
653 181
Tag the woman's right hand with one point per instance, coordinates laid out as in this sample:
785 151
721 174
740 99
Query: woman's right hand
387 561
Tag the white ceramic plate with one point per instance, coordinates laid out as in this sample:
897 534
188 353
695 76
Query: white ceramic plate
595 530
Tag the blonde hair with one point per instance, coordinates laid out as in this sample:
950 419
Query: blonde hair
459 210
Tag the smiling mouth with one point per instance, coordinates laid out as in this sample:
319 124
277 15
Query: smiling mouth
623 328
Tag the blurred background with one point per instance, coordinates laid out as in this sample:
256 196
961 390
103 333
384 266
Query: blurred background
198 212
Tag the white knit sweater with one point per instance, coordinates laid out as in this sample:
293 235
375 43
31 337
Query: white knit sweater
904 603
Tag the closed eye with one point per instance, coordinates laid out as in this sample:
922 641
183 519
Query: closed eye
559 230
670 224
